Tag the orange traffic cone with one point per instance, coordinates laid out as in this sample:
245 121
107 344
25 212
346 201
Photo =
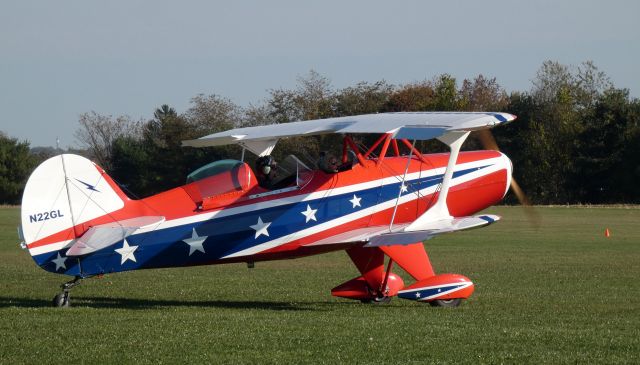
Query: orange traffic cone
607 233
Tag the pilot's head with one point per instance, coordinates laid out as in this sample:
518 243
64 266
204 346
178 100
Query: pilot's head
266 164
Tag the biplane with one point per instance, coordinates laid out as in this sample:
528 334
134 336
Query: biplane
378 203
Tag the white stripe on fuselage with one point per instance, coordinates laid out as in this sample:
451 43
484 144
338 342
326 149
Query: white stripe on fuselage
362 213
493 162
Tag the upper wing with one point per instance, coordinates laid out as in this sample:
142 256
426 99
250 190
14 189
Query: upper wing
415 125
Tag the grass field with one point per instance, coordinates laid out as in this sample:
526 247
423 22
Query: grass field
559 294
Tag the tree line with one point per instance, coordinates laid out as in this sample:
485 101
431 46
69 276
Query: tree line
576 139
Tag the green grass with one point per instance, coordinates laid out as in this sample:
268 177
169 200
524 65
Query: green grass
560 294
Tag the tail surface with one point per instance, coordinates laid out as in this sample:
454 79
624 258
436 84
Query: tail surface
62 195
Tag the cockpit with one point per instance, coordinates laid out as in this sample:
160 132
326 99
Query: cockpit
272 175
223 182
214 168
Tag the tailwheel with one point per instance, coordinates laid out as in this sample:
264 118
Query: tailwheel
446 303
62 300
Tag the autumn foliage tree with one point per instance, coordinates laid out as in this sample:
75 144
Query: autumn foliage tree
576 140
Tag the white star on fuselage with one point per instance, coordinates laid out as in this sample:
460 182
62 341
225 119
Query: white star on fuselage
261 228
127 252
403 188
309 214
59 261
355 201
417 294
195 242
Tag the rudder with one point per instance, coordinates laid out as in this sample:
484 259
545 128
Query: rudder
61 194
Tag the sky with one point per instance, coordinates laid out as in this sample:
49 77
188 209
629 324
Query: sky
59 59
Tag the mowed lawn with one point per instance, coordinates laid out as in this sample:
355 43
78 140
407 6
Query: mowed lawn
562 293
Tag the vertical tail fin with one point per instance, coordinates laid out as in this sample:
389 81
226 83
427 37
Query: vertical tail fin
62 193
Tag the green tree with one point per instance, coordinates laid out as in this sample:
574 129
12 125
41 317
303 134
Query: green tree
482 94
363 98
16 164
156 158
132 166
210 114
313 98
446 93
607 158
577 138
555 119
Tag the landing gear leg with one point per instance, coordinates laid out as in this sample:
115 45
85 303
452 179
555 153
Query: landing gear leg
381 297
62 299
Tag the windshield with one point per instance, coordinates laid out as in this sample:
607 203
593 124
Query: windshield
290 167
213 168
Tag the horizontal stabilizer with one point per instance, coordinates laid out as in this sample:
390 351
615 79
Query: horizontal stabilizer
105 235
430 229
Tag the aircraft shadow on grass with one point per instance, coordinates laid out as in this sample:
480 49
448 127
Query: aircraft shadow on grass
128 303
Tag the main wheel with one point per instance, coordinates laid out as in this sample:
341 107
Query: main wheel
447 303
61 300
376 300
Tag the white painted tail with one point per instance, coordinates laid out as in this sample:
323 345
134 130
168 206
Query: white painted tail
63 192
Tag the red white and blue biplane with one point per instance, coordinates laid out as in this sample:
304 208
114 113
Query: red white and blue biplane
374 202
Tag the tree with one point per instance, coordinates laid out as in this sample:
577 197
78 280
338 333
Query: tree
446 93
312 99
364 98
16 164
98 132
412 97
577 138
255 115
166 130
608 153
590 84
556 119
212 113
132 166
314 96
482 94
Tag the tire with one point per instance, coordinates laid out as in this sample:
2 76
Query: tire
378 301
61 300
446 303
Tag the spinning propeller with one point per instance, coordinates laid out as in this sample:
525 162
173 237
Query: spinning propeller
489 142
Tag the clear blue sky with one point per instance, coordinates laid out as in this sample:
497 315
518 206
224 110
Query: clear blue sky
59 59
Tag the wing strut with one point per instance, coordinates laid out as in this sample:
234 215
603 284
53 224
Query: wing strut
440 211
404 178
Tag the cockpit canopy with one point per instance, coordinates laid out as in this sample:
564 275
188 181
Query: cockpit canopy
222 182
219 183
213 168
